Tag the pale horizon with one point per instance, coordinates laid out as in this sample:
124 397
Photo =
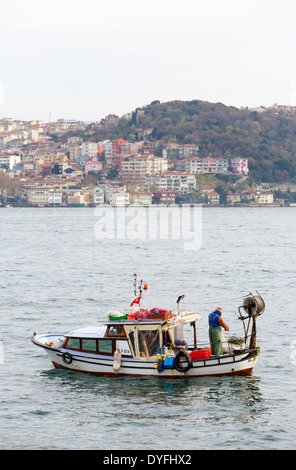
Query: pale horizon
85 60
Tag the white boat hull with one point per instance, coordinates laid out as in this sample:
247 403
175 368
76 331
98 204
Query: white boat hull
238 363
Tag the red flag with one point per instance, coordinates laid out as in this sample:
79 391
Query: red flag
136 301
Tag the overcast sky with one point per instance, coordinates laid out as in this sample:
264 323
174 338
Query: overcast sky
86 59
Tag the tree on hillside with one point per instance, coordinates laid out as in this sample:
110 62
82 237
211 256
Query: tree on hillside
266 139
7 184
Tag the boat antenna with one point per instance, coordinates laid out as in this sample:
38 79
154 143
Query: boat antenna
140 287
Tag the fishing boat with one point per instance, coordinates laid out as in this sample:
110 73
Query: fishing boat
150 343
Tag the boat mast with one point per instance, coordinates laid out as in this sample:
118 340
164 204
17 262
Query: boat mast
141 287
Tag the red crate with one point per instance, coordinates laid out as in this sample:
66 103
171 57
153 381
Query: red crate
201 354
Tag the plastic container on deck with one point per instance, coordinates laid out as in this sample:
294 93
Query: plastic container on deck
169 362
200 354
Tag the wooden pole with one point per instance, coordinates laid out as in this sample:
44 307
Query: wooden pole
195 338
253 335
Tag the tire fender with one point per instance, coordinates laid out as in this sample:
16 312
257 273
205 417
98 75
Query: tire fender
67 358
179 360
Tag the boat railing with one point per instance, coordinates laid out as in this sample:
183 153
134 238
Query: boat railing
228 345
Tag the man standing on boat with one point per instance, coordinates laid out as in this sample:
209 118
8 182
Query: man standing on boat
215 324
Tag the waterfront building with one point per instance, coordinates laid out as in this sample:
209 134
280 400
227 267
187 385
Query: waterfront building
233 198
119 198
37 195
264 197
211 197
97 195
110 190
55 197
77 197
164 196
141 198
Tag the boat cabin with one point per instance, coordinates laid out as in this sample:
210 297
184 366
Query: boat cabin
134 340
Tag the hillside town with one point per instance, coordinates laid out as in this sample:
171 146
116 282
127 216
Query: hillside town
51 165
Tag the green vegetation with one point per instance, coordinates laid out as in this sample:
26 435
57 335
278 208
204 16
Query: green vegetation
288 195
267 139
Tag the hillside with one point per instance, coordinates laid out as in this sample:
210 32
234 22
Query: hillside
267 139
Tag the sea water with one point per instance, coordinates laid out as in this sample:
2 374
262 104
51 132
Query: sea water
57 274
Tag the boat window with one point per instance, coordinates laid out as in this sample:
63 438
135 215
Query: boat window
89 344
166 339
116 330
148 342
105 346
132 341
73 343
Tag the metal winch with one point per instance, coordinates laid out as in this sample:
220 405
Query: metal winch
253 306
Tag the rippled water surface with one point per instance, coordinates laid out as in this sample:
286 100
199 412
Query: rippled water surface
56 276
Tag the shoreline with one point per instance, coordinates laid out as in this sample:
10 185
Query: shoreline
210 206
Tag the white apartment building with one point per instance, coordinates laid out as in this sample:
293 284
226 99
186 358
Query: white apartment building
55 198
187 150
183 183
97 196
89 149
34 134
9 161
264 197
112 190
119 198
143 165
108 149
194 166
